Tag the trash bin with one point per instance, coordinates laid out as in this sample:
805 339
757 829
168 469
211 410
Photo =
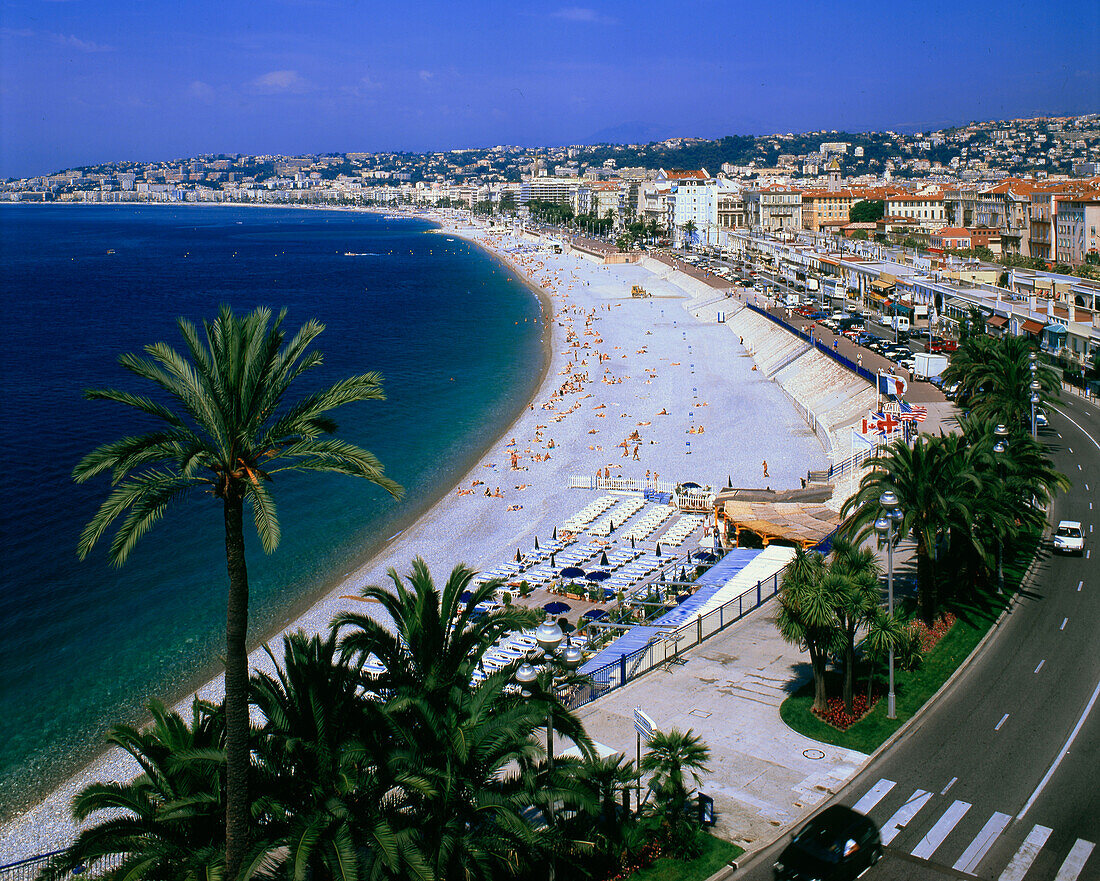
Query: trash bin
706 809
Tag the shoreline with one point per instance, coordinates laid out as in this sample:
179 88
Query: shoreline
447 530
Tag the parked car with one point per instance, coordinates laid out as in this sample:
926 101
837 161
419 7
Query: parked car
1041 420
1068 538
838 844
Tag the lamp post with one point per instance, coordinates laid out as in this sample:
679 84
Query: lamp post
549 637
884 526
1035 387
1001 433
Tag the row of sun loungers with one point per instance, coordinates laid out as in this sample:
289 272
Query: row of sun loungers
648 523
618 514
681 529
588 513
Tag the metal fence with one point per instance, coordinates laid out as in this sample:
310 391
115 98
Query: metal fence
29 869
668 646
857 369
621 484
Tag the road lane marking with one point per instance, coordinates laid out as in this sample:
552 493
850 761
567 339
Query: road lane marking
903 815
1078 466
1095 443
950 783
1025 856
941 830
1075 862
1080 584
1040 667
873 796
1004 719
982 842
1070 449
1062 754
1063 627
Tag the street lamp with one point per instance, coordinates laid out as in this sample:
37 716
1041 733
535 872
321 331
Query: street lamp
885 526
1035 387
549 637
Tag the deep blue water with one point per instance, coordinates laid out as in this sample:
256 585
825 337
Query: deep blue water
455 335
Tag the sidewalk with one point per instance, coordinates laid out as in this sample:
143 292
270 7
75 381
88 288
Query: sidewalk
763 775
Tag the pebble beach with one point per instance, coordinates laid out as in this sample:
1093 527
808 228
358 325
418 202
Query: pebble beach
633 387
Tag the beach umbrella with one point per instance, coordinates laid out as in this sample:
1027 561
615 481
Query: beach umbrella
572 572
536 542
729 481
553 565
597 575
683 574
632 542
555 535
556 608
594 614
658 549
519 556
465 596
603 559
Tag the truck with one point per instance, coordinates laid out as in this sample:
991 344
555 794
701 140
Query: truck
927 366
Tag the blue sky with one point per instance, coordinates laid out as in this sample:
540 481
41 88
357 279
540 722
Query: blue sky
86 81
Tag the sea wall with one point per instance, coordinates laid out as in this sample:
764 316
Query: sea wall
829 396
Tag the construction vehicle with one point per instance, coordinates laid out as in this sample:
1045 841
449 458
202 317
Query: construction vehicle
638 291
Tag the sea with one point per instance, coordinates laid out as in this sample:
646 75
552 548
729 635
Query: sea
457 337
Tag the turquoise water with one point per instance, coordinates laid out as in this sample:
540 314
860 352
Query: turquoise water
456 336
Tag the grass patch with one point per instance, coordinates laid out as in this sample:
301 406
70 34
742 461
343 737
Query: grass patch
912 689
716 854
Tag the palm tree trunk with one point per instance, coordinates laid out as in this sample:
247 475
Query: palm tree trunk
849 671
817 663
926 584
237 807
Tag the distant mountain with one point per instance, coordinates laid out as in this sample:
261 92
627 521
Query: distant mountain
630 133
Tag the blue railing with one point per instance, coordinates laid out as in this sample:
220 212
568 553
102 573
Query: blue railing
667 649
30 868
857 369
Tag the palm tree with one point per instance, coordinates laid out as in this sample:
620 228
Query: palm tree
935 483
689 229
227 428
1005 379
670 757
323 770
807 617
475 746
169 821
853 582
884 632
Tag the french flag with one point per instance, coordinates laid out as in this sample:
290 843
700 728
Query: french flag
888 384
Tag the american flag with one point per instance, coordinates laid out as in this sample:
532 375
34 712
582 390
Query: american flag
909 413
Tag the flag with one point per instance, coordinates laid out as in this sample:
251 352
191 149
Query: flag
888 384
909 413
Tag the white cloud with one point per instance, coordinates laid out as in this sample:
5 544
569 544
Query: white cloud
426 76
583 14
200 91
81 45
281 81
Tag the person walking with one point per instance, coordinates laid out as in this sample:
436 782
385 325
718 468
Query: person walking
765 467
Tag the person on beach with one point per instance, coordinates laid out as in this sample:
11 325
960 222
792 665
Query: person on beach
765 467
636 448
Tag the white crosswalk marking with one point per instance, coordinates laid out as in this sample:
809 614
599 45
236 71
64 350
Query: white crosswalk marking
903 815
981 844
1075 862
873 796
1025 856
941 830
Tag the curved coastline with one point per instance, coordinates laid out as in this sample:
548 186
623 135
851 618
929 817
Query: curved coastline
447 529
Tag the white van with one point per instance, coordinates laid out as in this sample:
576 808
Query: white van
900 323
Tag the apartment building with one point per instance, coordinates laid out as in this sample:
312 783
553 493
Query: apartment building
926 209
1076 223
774 209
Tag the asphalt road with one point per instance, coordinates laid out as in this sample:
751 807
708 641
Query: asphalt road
1001 778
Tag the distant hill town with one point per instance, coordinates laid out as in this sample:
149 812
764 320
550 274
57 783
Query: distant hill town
1026 188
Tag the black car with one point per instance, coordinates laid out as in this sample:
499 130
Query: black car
838 844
